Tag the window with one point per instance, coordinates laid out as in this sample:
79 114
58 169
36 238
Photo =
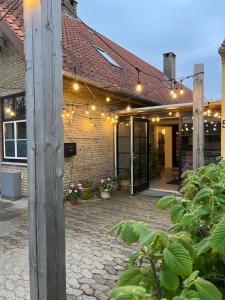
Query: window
107 57
14 128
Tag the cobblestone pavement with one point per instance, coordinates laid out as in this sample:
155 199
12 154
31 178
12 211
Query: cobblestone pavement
93 258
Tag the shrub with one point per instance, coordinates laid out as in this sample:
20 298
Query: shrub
188 261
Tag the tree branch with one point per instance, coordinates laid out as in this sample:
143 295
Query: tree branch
159 290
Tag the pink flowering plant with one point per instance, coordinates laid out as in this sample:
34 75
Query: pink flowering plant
85 183
105 184
73 192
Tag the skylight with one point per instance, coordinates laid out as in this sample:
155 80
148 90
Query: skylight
107 57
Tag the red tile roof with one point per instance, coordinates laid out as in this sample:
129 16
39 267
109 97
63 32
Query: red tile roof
78 50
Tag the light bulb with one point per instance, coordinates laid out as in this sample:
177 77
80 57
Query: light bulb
171 92
87 112
93 107
76 86
128 108
157 119
139 88
153 119
108 99
216 115
182 91
72 112
205 113
8 110
103 114
209 111
12 114
174 95
108 117
170 114
68 115
116 117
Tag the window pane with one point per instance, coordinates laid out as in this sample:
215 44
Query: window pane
9 131
21 130
22 148
9 149
14 108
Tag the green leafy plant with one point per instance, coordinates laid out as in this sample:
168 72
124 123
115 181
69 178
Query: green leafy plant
85 183
188 261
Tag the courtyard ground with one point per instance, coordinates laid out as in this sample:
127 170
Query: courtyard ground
93 258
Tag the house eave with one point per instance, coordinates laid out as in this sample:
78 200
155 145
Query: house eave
70 75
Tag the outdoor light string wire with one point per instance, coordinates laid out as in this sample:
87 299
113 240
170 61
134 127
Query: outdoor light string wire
10 9
131 64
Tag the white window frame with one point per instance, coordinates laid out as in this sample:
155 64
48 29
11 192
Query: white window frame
15 139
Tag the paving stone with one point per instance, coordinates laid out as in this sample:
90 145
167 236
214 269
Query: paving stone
93 258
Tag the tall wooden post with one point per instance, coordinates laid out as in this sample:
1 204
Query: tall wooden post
198 116
43 56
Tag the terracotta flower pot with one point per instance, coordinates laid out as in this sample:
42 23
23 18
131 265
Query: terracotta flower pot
124 184
73 201
105 194
85 193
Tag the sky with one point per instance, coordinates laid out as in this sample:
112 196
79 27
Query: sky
192 29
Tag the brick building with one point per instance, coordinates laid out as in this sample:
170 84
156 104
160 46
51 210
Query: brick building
105 75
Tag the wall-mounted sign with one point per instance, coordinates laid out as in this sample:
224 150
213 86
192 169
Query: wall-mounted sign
223 124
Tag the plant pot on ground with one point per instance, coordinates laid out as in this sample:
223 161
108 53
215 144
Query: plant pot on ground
105 188
85 189
124 181
72 195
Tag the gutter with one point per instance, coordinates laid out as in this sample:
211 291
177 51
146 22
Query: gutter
164 107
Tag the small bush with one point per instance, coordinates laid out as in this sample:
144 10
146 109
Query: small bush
188 261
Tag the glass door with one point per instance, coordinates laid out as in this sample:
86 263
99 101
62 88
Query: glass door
133 152
140 154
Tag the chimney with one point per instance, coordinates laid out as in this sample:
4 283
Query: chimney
169 65
70 7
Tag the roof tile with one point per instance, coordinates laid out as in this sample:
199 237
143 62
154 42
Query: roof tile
78 50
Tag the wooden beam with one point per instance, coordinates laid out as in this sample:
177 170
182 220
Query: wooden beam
43 56
198 116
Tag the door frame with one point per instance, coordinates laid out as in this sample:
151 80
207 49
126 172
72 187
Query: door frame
131 154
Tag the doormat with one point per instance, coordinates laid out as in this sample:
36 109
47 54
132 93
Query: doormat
174 181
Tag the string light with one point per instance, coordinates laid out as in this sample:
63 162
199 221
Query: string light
108 99
128 108
170 113
8 110
153 119
93 107
157 119
76 86
103 114
139 87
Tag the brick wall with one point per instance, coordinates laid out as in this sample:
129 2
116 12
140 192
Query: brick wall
95 149
12 70
95 144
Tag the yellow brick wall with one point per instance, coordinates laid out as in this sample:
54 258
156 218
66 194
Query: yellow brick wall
95 149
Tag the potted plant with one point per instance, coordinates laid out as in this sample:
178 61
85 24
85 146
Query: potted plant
124 181
105 188
85 189
72 195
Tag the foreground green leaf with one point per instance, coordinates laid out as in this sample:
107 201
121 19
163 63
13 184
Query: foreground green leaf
178 259
217 239
207 290
165 202
169 280
131 276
